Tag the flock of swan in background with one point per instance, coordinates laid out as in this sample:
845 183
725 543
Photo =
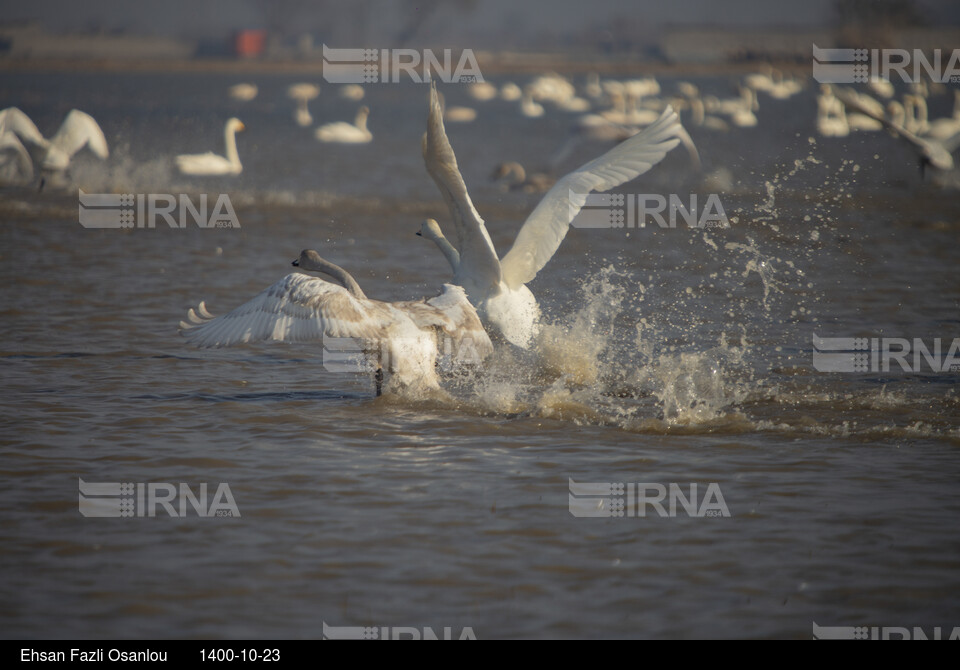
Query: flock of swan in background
604 109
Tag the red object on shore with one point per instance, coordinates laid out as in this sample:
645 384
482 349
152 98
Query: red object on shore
249 43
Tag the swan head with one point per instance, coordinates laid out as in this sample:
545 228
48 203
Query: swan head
430 229
309 260
687 90
235 125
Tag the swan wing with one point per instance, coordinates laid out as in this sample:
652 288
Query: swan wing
937 153
13 120
478 258
469 337
78 130
298 308
547 225
462 334
952 143
10 142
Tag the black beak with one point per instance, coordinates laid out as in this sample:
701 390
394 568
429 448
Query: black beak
419 233
296 263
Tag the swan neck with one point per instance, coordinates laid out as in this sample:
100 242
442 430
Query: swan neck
361 121
697 112
920 110
451 254
345 278
231 140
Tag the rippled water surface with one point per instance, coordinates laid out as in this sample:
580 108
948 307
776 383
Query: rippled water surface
671 356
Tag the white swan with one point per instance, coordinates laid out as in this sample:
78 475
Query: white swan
831 114
303 94
243 92
771 81
552 86
406 338
592 88
575 104
932 152
881 87
347 133
529 107
916 114
460 114
699 116
353 92
510 92
598 127
77 131
783 88
212 164
482 91
947 126
740 110
760 81
859 121
498 287
513 177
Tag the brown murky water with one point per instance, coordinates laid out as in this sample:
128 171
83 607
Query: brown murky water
673 356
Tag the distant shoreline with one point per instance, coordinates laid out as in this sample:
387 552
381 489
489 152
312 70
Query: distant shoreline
493 65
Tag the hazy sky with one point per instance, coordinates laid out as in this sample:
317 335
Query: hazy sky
479 23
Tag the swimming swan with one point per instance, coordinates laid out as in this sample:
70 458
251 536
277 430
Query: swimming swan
303 94
498 287
347 133
212 164
407 338
243 92
513 177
